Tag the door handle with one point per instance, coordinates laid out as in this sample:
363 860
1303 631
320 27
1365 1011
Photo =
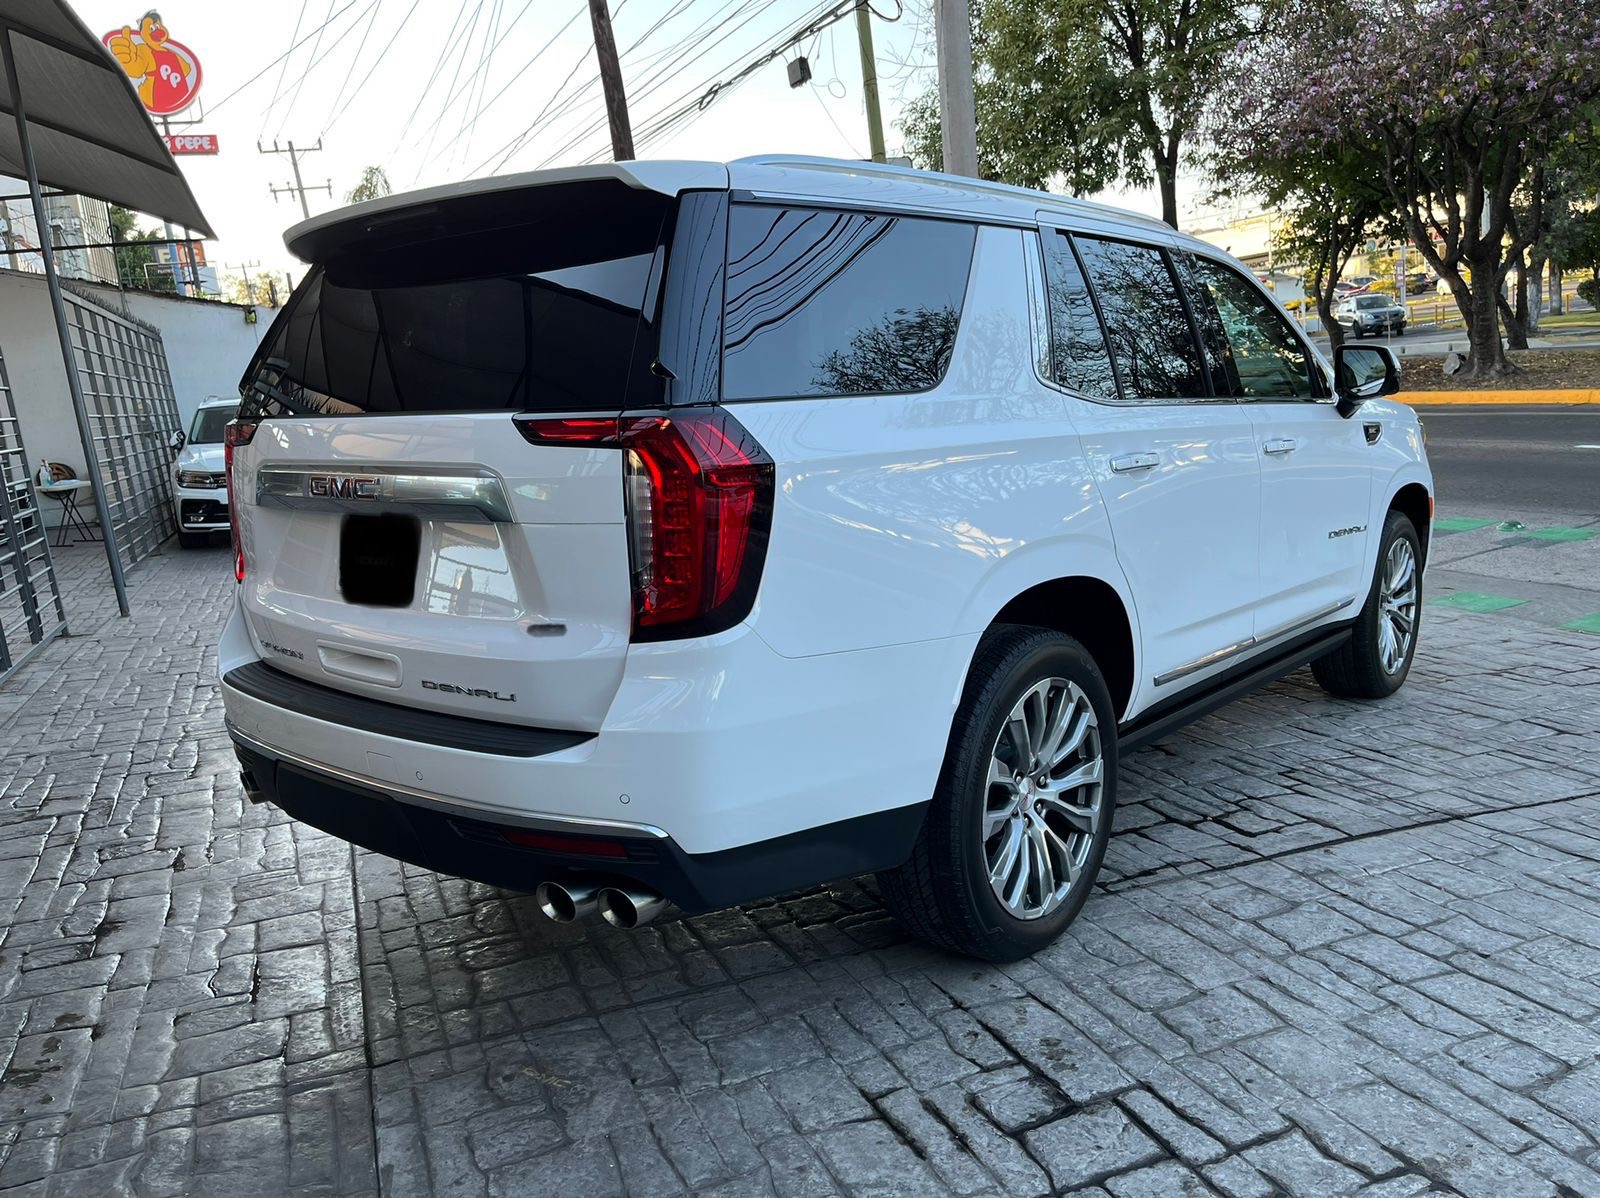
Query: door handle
1280 445
1125 462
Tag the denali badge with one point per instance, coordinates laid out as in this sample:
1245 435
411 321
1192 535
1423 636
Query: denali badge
1346 532
471 692
276 648
335 486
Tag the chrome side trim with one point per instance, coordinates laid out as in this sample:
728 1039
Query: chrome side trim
1200 663
1305 621
541 821
1221 655
468 495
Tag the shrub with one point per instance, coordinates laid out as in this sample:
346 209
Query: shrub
1589 292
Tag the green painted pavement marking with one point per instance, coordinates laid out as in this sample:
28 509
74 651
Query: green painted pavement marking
1473 601
1588 623
1562 534
1459 524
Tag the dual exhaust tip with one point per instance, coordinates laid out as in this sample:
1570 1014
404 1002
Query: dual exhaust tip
620 906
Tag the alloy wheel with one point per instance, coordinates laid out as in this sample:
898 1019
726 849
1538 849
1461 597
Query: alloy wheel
1043 796
1397 613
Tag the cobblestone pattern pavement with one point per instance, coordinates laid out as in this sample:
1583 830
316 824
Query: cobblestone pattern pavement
1340 949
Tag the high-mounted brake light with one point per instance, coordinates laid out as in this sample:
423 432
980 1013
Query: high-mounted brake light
236 432
698 491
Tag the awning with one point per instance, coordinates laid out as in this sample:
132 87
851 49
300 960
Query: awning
90 134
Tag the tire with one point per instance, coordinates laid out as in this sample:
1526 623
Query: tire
1367 665
943 893
1355 331
193 540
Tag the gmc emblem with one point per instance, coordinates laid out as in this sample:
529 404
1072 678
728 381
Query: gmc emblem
333 486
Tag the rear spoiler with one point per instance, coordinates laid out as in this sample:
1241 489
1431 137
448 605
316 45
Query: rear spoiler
311 240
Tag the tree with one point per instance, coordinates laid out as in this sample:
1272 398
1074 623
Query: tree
136 254
374 183
1329 204
1460 127
261 291
1089 91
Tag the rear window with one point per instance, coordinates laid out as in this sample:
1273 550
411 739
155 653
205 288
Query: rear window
840 303
543 302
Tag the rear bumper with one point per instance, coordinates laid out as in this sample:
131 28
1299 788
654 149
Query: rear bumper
720 744
465 844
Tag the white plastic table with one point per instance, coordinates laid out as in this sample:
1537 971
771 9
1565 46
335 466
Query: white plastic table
66 494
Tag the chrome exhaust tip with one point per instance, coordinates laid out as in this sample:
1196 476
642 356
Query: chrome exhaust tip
629 908
563 904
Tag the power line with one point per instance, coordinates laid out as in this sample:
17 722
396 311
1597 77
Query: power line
424 91
278 88
325 55
346 76
389 45
282 57
661 79
321 29
540 51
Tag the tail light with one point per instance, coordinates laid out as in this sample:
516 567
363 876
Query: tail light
237 432
698 493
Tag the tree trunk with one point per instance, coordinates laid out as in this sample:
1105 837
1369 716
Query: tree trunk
1479 302
1536 264
1167 177
1557 307
1515 319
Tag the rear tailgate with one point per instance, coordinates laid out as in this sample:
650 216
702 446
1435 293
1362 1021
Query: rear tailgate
401 539
440 562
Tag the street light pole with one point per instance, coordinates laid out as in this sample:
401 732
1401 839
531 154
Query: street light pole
958 120
59 307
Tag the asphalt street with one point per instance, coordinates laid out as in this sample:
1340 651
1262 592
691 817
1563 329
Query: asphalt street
1524 461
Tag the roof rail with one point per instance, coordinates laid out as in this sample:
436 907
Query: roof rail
954 182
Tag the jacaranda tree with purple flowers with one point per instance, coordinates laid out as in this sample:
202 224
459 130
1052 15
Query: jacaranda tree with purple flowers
1453 106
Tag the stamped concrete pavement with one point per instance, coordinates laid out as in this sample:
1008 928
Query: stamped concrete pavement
1338 949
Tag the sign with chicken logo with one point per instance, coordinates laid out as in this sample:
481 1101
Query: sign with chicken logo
165 73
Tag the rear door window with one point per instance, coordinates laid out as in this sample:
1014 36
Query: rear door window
1146 322
825 302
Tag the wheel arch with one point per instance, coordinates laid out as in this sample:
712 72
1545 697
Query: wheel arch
1414 501
1092 612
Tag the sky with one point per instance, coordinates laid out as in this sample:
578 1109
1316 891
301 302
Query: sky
440 90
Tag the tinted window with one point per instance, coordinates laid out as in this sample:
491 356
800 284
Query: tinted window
1374 301
544 305
840 303
1078 357
209 423
1145 321
1266 359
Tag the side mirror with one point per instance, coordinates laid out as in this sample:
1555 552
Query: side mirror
1363 372
177 441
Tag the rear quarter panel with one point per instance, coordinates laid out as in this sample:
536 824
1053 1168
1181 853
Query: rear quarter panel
915 518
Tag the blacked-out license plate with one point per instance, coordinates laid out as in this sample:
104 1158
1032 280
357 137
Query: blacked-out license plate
378 559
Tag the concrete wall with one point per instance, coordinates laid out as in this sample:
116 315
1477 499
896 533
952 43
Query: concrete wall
208 345
33 364
208 342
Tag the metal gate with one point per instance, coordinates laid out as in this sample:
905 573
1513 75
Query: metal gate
133 415
30 599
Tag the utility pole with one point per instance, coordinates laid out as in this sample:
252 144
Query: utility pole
869 80
958 119
298 188
605 49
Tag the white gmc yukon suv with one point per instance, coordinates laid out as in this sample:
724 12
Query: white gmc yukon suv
699 532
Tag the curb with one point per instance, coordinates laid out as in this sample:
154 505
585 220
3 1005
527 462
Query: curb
1576 395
